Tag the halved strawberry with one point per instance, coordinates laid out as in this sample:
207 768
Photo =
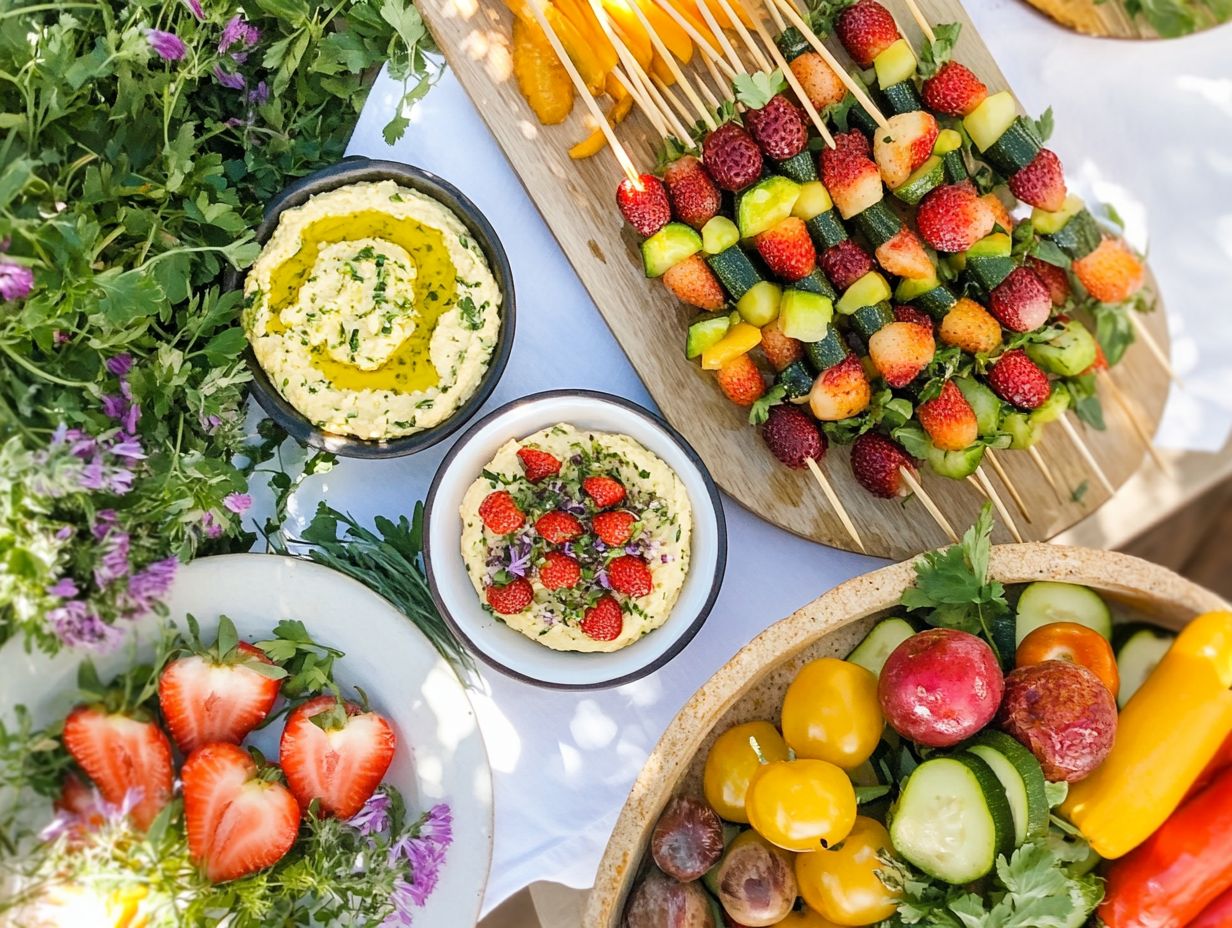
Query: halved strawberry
904 256
557 527
603 621
1021 302
122 752
793 436
695 198
866 29
971 327
335 752
845 263
949 419
780 350
853 180
691 281
841 391
1054 278
1018 380
1111 273
500 514
876 462
741 381
646 209
821 84
732 157
788 249
901 350
538 464
1042 182
903 144
954 90
952 218
215 695
238 817
604 491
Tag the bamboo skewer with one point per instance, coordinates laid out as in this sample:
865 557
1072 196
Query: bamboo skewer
762 61
670 60
710 54
638 93
703 7
852 85
1145 336
918 490
1044 469
779 23
1086 454
921 20
1135 421
980 479
665 93
622 156
1008 484
826 488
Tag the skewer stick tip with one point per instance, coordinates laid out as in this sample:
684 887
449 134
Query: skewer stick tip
839 510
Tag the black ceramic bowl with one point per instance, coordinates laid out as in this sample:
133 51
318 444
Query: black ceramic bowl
357 170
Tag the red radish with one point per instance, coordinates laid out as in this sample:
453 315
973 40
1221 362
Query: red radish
335 752
119 753
239 817
219 693
940 687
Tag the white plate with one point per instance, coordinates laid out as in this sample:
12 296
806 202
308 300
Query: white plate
512 652
440 756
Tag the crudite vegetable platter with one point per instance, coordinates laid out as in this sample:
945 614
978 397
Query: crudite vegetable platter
819 336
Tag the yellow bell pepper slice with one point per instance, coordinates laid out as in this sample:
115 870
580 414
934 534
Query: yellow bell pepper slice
629 30
675 38
689 12
1166 736
741 339
595 142
579 49
583 18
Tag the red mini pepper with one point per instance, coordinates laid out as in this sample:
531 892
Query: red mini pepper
1216 915
1180 869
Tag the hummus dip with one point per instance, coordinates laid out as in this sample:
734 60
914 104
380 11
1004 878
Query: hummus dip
372 310
579 540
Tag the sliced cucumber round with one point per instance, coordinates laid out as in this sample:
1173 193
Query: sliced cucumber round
1047 601
1023 778
872 652
952 819
1142 647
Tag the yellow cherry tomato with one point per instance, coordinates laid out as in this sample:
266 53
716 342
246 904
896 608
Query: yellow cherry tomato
806 918
801 805
732 762
842 883
831 713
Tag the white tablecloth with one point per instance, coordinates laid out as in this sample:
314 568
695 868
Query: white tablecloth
1147 125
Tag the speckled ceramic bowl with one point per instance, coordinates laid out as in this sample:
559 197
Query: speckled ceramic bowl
357 170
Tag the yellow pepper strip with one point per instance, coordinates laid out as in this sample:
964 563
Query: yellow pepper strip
1166 736
674 37
630 31
583 18
595 142
579 49
659 68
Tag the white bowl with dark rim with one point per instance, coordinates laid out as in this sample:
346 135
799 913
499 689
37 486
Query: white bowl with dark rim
354 170
510 651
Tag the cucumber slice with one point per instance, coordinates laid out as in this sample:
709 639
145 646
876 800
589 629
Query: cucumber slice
704 332
764 205
719 234
815 282
826 229
957 465
988 121
875 649
1023 778
988 271
1015 149
1048 601
1080 236
948 140
1051 409
800 167
760 304
895 64
805 316
955 167
878 223
668 247
1068 353
826 352
1046 223
1142 647
998 245
1022 431
795 379
735 271
814 199
909 288
867 291
952 819
868 320
984 403
927 177
902 98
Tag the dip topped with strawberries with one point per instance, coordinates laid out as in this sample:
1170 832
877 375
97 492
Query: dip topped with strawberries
579 540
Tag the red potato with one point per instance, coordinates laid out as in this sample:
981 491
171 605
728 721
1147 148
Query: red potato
688 839
1063 713
658 901
940 687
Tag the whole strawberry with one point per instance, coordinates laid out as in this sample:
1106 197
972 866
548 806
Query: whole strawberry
1054 278
953 90
1042 182
775 122
1016 379
645 208
877 462
845 263
630 575
1021 302
953 218
788 249
866 29
792 436
732 157
695 198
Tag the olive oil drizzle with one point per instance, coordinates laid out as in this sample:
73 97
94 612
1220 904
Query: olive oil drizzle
409 369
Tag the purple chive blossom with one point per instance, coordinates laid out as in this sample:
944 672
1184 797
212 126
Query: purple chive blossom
16 281
519 556
401 916
64 588
167 45
120 365
129 448
150 584
228 80
373 817
64 533
601 577
258 94
114 405
238 31
194 7
210 524
210 423
239 503
104 522
113 565
438 826
77 626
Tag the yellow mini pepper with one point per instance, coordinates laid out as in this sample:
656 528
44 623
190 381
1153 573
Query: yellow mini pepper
1168 733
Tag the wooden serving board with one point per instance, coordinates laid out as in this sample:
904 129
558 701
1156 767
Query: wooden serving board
577 199
1107 19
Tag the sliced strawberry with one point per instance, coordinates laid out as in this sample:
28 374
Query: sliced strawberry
81 806
695 198
866 29
853 180
511 598
952 218
614 528
969 326
903 144
120 753
821 84
1016 379
949 419
841 391
901 350
904 256
335 752
603 621
788 249
606 492
876 462
1054 278
793 437
732 157
911 314
646 209
1111 273
557 527
845 263
538 464
741 381
238 817
954 90
1042 182
691 281
780 349
630 575
559 571
778 127
211 697
1021 302
500 513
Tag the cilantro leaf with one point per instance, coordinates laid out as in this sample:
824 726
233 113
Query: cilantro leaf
760 410
937 52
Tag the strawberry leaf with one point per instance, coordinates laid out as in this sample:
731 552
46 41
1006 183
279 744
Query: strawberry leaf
227 640
937 52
